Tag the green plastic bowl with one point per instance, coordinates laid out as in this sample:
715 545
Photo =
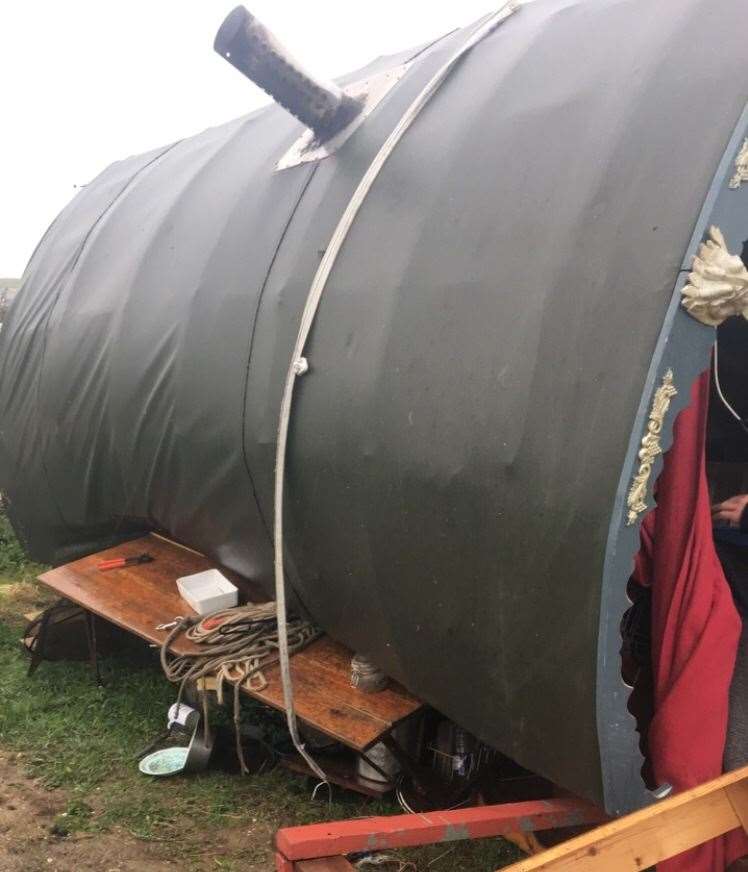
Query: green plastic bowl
168 761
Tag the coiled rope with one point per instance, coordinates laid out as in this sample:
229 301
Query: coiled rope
239 644
299 364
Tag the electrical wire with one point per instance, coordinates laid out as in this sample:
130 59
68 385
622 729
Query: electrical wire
720 394
298 365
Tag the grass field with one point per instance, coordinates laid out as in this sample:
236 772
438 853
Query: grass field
78 742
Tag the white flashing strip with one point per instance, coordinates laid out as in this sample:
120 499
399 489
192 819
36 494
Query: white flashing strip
371 92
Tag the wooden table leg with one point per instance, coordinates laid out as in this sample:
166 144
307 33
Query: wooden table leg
93 654
37 654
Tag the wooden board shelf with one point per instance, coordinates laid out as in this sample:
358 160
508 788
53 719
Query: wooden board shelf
140 598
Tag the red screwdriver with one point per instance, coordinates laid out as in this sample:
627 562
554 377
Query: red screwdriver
121 562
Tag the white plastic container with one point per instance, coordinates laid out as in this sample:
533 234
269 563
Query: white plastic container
208 591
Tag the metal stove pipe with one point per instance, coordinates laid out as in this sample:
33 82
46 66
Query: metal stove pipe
250 47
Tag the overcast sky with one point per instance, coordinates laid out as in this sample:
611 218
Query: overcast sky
86 82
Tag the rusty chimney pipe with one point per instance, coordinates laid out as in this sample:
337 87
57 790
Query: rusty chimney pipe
250 47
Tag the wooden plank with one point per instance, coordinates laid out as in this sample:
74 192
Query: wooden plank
139 598
136 598
283 864
654 834
324 864
528 843
324 697
342 773
738 795
406 831
331 661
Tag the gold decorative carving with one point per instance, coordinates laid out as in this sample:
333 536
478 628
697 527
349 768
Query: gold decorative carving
650 447
718 283
741 167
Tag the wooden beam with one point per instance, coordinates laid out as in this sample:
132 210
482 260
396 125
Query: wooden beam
409 830
324 864
654 834
738 795
283 864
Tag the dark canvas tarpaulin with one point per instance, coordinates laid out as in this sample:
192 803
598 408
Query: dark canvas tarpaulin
476 365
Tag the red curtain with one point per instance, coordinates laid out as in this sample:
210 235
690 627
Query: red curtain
695 629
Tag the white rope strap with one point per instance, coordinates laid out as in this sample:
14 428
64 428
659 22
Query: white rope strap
299 365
